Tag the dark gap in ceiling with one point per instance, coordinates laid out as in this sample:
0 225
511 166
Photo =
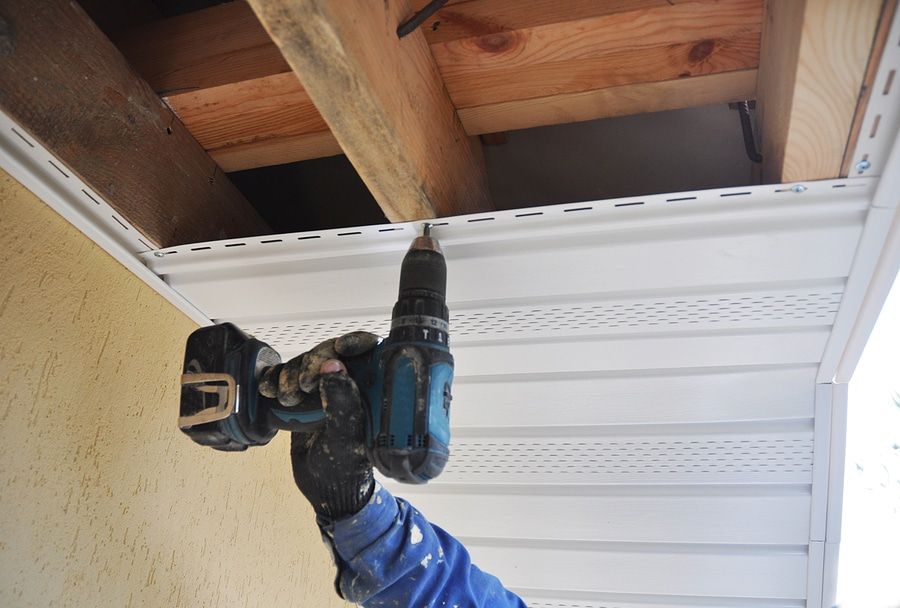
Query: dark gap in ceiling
310 195
113 16
673 151
173 8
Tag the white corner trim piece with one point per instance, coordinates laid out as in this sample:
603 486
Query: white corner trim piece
815 574
875 268
836 464
827 494
51 180
881 121
821 462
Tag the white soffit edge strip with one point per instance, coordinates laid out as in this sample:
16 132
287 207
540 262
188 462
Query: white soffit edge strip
640 257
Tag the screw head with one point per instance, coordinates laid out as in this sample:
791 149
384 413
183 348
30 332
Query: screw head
159 254
863 165
798 188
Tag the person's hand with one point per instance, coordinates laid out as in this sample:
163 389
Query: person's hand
330 465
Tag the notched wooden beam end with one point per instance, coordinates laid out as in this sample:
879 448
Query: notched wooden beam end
812 68
384 101
67 85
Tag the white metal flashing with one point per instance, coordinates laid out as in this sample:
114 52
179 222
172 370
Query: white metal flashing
875 267
51 180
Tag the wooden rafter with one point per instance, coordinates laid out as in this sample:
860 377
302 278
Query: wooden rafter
881 39
812 68
384 102
70 88
505 64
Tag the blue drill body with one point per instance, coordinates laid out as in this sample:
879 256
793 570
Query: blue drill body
406 383
406 391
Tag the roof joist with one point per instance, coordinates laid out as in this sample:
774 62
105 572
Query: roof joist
505 65
384 102
811 79
66 84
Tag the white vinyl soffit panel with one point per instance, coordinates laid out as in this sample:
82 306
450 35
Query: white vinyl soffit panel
635 400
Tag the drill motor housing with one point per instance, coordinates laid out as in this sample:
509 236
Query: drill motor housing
404 382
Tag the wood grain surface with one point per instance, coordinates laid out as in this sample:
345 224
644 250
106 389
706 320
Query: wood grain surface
470 18
105 502
256 122
222 44
811 72
613 101
384 101
491 54
68 86
881 38
591 38
668 62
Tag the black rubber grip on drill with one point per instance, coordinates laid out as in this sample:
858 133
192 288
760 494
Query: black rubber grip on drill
423 274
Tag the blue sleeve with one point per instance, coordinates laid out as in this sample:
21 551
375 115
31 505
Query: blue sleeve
389 555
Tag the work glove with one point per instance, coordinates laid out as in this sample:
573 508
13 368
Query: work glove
331 466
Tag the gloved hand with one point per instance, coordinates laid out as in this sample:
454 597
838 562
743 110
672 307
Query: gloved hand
330 465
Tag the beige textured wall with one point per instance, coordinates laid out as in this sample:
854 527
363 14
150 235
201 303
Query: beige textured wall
104 502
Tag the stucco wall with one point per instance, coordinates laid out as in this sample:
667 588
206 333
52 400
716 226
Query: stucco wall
103 501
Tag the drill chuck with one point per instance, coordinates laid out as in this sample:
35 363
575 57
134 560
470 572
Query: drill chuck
421 314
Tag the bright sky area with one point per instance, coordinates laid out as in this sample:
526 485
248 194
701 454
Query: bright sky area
869 567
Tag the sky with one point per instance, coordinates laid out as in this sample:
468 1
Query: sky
869 563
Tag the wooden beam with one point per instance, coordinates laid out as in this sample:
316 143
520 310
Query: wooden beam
70 88
667 62
881 38
384 101
814 56
259 122
495 56
115 15
223 44
226 44
636 45
614 101
474 18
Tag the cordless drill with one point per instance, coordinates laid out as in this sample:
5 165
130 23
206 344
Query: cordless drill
404 381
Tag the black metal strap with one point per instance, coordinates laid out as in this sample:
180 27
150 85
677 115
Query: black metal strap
410 25
747 128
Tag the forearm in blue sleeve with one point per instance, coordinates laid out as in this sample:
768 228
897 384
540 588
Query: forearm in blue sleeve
389 555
